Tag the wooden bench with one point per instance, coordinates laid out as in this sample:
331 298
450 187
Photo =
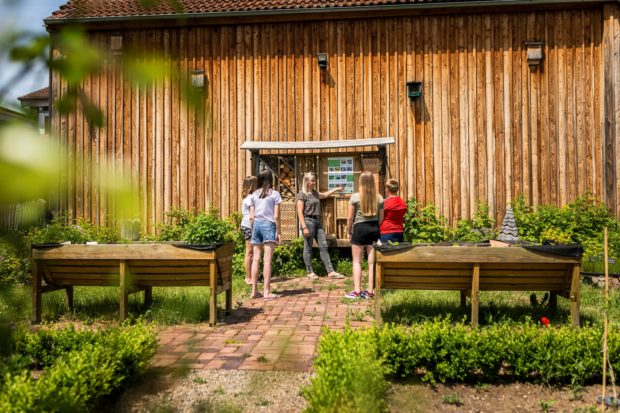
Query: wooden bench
132 267
473 269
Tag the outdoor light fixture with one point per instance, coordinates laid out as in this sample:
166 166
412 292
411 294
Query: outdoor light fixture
534 53
322 60
414 90
116 44
198 79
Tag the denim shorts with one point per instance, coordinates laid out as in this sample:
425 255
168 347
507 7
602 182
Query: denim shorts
263 231
392 236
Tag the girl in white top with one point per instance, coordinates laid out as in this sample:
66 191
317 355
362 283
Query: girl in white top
249 186
265 218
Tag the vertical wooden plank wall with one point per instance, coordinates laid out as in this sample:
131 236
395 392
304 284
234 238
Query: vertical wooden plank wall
611 100
487 127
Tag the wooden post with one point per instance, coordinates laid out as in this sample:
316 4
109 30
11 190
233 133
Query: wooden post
213 294
148 296
606 318
36 292
124 296
475 287
229 299
378 283
574 295
553 300
463 299
69 293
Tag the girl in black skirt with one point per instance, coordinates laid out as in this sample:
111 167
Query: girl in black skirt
364 217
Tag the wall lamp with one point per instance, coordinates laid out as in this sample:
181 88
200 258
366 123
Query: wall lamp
198 79
322 60
534 53
414 90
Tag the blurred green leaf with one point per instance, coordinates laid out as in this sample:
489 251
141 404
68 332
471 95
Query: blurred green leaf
35 48
146 73
29 165
78 58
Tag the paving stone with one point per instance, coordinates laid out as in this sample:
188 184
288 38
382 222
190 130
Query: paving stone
285 331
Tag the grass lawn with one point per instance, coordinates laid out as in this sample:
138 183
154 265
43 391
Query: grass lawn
171 305
411 306
179 305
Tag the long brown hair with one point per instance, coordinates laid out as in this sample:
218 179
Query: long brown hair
368 194
249 185
265 182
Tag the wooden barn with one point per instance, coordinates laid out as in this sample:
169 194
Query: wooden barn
461 101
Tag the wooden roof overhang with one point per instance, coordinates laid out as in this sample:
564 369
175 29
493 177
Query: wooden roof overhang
324 13
302 146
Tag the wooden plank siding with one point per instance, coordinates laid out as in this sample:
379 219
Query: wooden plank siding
487 128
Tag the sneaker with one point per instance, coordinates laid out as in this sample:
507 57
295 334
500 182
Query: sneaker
336 275
368 296
312 276
352 295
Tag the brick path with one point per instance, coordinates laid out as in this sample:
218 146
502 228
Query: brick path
279 334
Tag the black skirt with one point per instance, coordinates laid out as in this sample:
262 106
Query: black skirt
365 233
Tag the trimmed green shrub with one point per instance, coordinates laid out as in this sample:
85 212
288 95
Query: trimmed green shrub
80 368
441 351
349 377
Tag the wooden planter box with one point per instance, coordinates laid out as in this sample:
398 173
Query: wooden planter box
473 269
132 267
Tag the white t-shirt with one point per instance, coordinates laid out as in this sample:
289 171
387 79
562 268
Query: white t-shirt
264 207
245 211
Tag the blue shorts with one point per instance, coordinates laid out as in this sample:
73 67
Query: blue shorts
263 231
393 236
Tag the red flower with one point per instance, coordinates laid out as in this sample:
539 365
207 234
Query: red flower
544 321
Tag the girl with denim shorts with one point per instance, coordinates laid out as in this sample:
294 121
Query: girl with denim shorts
249 186
265 216
363 220
309 215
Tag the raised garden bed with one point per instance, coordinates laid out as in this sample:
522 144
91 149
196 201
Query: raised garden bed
471 269
132 267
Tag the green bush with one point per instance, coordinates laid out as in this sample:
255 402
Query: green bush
61 230
15 265
288 258
479 228
80 368
344 266
581 221
442 351
174 226
14 270
423 224
207 228
349 377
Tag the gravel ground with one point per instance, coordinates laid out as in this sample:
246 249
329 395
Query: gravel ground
224 391
236 391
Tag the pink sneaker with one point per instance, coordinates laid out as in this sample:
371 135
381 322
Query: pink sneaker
353 295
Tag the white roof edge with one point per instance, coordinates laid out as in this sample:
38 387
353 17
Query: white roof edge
346 143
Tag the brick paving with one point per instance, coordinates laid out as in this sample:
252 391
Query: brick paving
280 334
